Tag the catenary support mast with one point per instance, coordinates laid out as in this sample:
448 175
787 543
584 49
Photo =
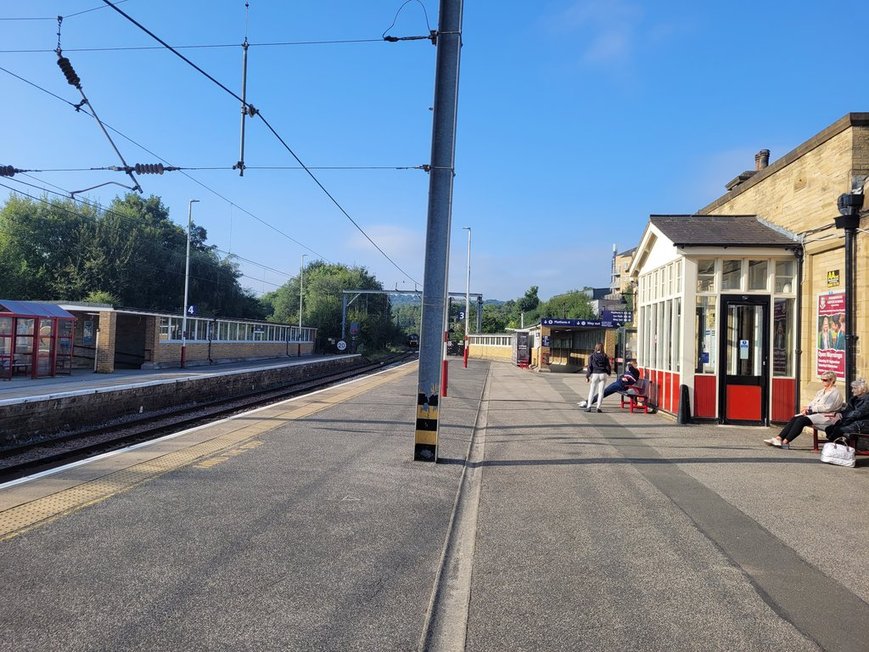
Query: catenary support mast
431 341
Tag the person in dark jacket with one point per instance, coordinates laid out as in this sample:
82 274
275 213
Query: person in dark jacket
598 371
631 376
854 416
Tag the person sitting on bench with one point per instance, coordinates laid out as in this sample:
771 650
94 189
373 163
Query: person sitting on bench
816 413
853 417
621 384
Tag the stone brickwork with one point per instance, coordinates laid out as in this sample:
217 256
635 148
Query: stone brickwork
799 192
21 422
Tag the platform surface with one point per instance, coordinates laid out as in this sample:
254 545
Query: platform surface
307 526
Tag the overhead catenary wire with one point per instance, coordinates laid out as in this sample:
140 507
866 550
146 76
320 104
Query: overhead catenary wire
191 178
253 111
73 79
78 13
207 46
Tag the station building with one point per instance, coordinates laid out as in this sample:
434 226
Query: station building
741 306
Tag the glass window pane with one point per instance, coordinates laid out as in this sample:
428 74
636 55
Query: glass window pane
25 327
5 325
706 276
757 275
731 273
784 276
707 340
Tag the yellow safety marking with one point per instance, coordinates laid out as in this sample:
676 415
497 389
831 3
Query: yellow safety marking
427 437
28 515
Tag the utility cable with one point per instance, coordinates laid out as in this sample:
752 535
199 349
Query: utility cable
191 178
253 111
206 46
334 201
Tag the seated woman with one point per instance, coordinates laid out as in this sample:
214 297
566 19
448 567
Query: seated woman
631 376
853 417
818 413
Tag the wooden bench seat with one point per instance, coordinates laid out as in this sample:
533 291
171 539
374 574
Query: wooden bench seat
852 441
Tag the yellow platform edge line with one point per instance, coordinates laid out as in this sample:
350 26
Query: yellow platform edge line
23 518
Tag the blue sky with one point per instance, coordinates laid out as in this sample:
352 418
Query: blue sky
577 119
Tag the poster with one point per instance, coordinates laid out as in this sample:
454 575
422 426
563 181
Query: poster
780 340
831 334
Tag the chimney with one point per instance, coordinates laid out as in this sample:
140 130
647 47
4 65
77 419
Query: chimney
761 159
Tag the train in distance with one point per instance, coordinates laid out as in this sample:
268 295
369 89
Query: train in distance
413 341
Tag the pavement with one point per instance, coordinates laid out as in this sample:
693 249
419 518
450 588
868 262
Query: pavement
307 526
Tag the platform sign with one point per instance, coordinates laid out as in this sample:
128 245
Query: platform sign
191 309
588 323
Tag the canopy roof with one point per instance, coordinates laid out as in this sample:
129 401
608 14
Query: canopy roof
33 309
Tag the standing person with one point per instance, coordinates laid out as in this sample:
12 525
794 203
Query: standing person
854 416
817 413
598 371
631 376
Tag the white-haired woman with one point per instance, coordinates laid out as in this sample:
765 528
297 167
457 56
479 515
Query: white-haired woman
818 413
854 416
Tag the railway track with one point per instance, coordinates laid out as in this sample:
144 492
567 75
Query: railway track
30 458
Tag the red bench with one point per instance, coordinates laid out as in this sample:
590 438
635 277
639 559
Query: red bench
636 397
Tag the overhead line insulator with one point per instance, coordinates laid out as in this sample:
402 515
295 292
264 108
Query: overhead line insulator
8 170
68 72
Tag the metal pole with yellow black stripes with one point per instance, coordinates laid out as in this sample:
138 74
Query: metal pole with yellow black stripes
437 244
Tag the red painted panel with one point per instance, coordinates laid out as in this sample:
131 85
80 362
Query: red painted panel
666 394
677 395
705 397
783 395
743 402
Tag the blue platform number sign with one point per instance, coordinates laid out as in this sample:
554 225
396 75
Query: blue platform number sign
191 309
743 349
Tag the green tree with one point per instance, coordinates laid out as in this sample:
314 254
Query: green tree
571 305
323 288
60 249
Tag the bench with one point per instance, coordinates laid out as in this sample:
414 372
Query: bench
636 397
852 441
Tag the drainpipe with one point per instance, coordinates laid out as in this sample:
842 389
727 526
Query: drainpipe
798 336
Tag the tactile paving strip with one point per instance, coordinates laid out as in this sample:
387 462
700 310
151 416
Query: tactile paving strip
23 517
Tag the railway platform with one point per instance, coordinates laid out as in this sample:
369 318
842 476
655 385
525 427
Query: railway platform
306 525
19 388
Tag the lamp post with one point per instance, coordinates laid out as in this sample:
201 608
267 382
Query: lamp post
186 284
849 205
301 285
467 297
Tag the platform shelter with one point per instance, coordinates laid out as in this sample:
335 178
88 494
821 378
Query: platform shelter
35 339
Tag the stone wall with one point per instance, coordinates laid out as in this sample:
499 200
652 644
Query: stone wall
19 422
